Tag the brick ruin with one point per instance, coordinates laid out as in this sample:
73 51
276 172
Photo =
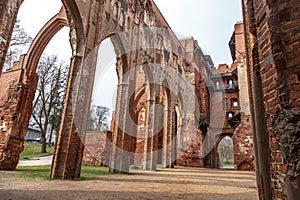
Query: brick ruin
223 87
157 121
272 49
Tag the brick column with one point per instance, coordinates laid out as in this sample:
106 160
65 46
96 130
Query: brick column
165 150
171 148
152 124
272 33
70 144
147 160
8 15
116 135
125 127
119 158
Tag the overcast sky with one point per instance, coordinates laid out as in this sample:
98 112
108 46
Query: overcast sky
210 22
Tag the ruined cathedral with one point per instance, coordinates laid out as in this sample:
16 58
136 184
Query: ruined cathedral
173 105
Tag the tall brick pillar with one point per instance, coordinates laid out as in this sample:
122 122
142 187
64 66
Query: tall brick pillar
152 127
166 128
8 15
125 126
117 132
169 134
272 35
172 137
243 134
70 144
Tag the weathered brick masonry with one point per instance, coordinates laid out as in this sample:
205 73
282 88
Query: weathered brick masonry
18 87
272 59
273 41
97 148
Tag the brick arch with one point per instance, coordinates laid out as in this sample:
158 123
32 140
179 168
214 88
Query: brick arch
76 23
95 28
222 136
120 51
71 7
139 95
42 39
19 110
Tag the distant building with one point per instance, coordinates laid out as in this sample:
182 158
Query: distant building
34 133
230 107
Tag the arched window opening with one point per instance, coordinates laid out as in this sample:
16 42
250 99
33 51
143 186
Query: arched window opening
226 153
122 19
116 11
230 83
230 114
127 23
101 116
234 102
217 85
52 70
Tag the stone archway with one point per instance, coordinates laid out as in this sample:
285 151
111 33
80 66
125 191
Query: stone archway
272 73
225 150
17 97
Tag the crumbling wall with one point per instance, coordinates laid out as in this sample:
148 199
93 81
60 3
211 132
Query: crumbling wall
97 148
243 145
14 118
272 33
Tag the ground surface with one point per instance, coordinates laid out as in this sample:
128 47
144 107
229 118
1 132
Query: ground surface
179 183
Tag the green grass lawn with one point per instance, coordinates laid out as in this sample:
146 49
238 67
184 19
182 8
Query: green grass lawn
32 150
43 172
227 165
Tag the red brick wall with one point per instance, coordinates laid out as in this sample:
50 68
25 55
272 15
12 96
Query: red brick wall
15 111
273 36
97 148
7 79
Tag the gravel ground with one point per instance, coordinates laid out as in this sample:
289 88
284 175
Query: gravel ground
179 183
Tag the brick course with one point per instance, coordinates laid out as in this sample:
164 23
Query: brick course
272 57
273 31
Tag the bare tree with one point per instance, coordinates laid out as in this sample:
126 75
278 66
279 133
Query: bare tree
19 40
101 118
225 150
98 118
49 95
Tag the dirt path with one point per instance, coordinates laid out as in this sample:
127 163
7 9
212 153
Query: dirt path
179 183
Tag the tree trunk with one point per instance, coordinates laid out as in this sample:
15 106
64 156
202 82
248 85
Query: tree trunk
50 137
43 141
44 150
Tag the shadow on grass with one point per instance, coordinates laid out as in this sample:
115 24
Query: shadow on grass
33 172
89 172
